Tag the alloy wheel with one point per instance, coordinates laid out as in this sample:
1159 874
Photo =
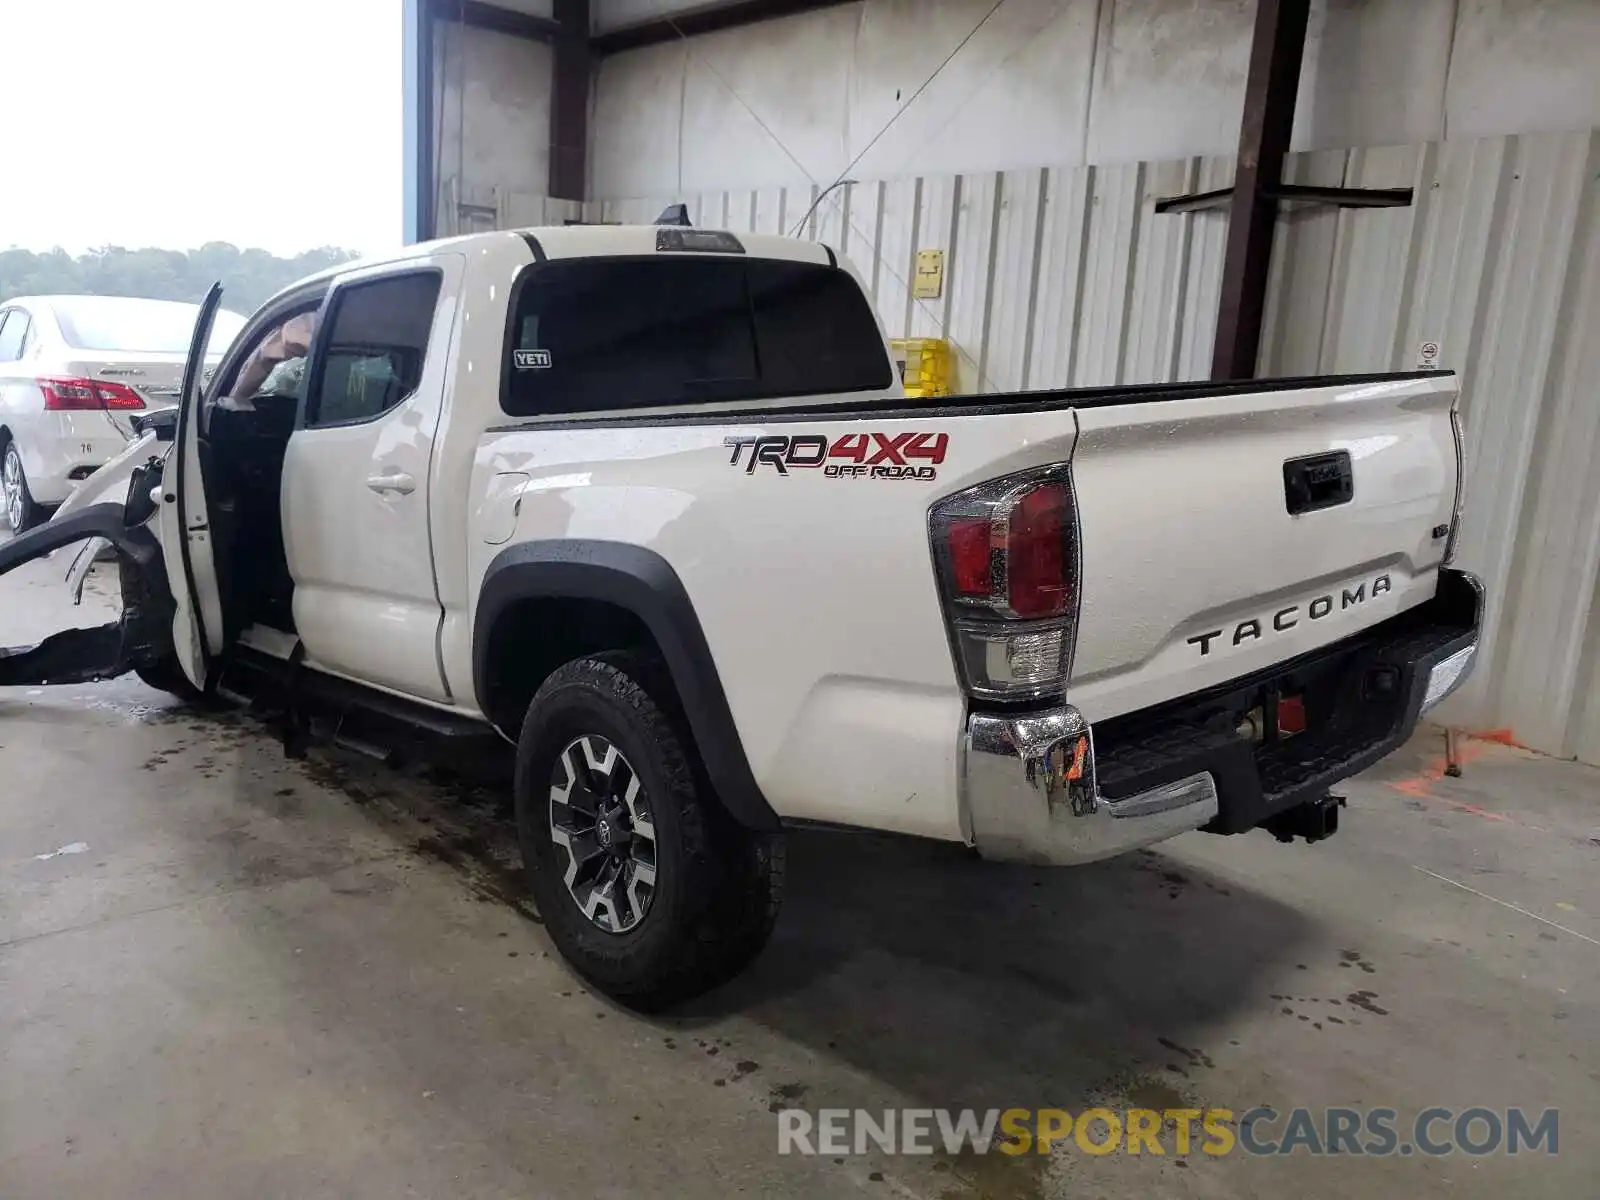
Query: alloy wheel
600 816
11 488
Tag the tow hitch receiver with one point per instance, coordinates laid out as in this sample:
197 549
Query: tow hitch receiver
1313 820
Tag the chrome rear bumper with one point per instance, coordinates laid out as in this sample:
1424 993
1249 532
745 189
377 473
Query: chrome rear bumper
1031 795
1032 782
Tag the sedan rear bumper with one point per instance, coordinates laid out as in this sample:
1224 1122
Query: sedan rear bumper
65 449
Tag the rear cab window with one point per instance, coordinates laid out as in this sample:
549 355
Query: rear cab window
597 334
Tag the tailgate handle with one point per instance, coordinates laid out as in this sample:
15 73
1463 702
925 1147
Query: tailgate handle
1318 481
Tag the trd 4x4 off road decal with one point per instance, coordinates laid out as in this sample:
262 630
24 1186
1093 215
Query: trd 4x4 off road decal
853 456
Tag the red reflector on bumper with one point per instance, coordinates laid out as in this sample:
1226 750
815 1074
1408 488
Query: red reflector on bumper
1291 715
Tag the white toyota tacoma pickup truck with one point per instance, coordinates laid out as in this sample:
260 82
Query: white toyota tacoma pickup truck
651 503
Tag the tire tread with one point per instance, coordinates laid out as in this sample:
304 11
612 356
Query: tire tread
733 877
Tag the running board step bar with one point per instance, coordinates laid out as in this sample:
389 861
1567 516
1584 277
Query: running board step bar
311 705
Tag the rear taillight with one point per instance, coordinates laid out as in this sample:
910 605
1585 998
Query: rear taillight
1007 556
968 545
84 395
1035 546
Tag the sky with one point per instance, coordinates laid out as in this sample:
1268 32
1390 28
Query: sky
270 123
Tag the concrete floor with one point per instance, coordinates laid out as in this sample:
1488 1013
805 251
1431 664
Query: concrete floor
224 973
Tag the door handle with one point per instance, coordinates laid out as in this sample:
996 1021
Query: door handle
394 481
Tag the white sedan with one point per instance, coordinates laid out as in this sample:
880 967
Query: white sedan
73 369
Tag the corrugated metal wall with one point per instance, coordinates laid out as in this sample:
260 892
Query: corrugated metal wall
476 209
1064 277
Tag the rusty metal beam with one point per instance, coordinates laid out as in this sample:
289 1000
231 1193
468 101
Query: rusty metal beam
417 153
1276 51
1338 197
481 15
571 67
708 19
1195 201
1343 197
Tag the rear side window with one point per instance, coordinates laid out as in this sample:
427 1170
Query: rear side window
372 357
125 324
13 331
589 335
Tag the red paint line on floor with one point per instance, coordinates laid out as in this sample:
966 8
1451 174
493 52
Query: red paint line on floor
1468 750
1500 737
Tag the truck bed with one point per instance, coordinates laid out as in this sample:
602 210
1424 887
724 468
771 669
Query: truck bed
962 405
813 579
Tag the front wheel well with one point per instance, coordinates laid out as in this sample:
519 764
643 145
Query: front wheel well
534 636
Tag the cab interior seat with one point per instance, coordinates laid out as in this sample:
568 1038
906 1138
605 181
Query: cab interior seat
245 450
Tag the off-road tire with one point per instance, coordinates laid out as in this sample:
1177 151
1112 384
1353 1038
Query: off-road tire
718 884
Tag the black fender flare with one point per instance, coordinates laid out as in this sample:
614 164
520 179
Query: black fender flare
643 583
107 520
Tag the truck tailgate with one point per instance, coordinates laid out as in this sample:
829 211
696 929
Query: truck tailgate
1224 534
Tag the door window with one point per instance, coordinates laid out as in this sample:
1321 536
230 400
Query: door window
372 357
273 368
13 332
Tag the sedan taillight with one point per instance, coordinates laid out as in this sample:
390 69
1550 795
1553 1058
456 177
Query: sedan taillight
1007 557
86 395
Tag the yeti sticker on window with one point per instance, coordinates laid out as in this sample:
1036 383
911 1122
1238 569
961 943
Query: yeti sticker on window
531 360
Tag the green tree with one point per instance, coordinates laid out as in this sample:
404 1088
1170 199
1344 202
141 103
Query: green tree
248 277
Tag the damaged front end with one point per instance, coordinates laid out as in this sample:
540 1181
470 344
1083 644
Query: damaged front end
142 636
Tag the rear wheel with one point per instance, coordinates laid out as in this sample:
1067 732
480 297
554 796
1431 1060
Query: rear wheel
647 887
17 507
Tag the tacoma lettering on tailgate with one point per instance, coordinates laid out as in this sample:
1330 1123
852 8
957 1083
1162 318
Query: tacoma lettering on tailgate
1288 617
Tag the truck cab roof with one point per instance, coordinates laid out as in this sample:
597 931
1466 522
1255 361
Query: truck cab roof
592 241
